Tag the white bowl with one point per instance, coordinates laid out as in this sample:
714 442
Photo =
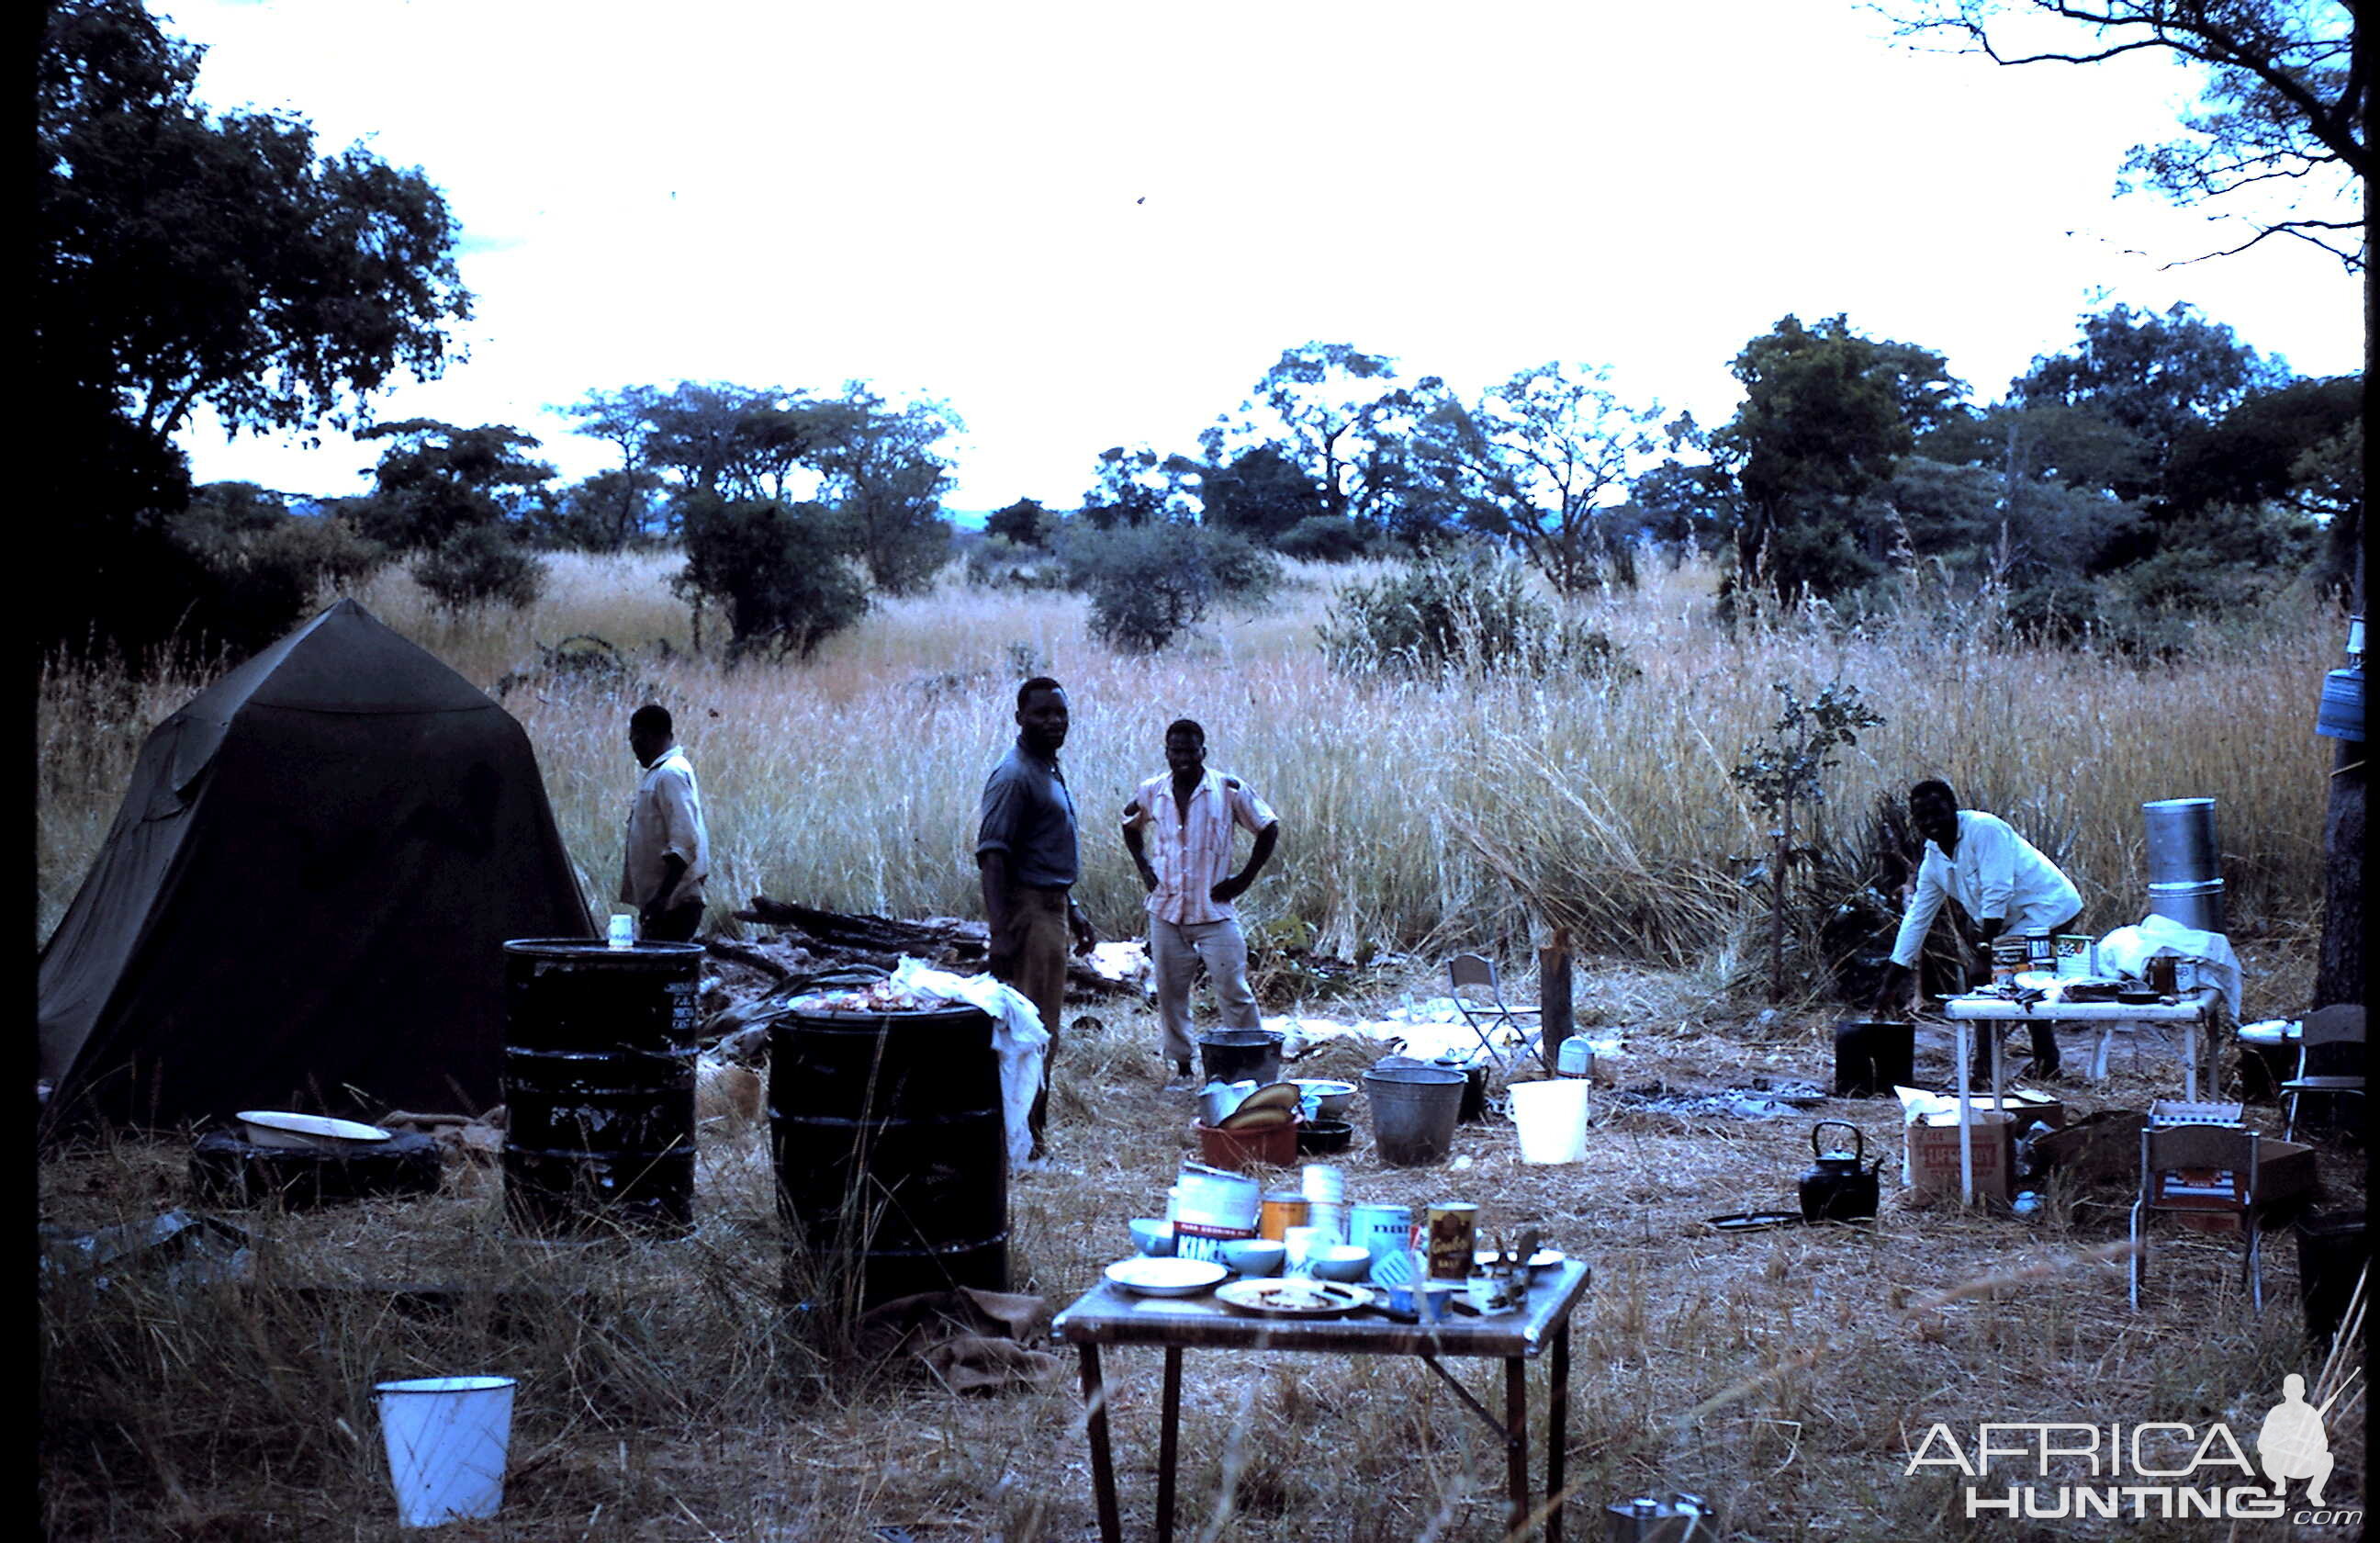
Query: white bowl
1166 1277
1343 1261
1336 1096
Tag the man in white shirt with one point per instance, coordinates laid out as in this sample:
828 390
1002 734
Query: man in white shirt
1178 828
667 855
2000 878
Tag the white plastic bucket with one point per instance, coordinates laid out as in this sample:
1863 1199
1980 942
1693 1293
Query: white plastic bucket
1552 1119
446 1438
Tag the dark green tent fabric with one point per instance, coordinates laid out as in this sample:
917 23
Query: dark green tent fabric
303 902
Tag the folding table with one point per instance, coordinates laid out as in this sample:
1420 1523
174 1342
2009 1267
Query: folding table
2190 1010
1112 1315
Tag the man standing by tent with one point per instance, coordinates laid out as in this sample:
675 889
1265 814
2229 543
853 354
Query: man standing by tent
668 852
1187 814
1025 854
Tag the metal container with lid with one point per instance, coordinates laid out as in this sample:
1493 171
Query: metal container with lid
2197 904
2180 841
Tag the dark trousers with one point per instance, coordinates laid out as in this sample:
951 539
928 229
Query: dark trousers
2044 1035
675 926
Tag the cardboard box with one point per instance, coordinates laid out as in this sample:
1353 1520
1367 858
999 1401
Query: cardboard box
2285 1171
1933 1154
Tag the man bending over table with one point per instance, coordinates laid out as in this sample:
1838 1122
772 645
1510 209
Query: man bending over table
1999 878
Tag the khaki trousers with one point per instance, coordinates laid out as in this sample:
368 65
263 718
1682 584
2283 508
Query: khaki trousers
1040 974
1176 952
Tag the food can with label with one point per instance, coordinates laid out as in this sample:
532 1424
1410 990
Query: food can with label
1453 1236
2009 956
1283 1210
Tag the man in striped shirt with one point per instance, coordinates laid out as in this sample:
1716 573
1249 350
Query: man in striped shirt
1178 828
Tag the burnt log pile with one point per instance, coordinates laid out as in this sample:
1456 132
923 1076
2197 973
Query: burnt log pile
813 941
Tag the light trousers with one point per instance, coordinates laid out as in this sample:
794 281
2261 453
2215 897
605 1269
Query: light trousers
1176 952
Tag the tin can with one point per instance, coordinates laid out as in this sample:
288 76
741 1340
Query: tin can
1453 1236
1380 1230
2039 951
2009 956
1282 1209
2077 953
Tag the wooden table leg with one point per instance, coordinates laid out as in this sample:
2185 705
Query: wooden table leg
1557 1432
1516 1438
1095 1425
1169 1444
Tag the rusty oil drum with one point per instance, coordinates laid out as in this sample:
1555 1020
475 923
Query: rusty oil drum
599 1084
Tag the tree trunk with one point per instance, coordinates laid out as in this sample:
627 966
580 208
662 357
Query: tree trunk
2339 977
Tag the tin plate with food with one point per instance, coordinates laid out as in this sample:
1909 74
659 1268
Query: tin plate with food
1295 1298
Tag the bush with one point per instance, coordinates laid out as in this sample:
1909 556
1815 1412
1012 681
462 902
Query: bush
997 563
1147 582
1460 615
780 571
479 565
253 570
1326 539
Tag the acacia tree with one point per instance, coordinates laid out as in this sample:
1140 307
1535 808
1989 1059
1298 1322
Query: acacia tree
614 502
1345 422
2281 116
883 473
1535 463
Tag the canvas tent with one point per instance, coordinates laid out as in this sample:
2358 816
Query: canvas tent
303 902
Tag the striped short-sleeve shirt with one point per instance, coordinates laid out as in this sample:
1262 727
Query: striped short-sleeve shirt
1190 845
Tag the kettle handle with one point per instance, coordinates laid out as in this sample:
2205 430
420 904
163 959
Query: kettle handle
1859 1142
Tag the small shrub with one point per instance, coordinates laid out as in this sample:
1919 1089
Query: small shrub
1460 615
253 570
1326 539
481 564
997 563
780 571
1148 582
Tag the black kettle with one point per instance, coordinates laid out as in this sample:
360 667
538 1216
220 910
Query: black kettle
1838 1189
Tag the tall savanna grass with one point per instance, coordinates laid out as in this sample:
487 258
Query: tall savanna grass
1462 811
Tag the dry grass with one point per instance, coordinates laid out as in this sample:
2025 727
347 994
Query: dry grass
1413 812
665 1396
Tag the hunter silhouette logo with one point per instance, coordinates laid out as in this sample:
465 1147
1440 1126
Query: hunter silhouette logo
2293 1443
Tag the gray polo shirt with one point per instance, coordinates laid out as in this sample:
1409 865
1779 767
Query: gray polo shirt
1028 814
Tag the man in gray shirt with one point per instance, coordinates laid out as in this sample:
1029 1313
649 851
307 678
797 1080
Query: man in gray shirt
1025 852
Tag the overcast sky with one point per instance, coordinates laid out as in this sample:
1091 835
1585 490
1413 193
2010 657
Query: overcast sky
1084 224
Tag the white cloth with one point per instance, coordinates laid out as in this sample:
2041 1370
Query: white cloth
1998 874
1190 844
1017 1038
2127 950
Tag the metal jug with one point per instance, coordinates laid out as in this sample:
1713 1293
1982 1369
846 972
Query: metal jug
1838 1189
1679 1519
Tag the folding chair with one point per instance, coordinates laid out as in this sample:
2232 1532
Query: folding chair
2329 1028
1481 1001
2227 1151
